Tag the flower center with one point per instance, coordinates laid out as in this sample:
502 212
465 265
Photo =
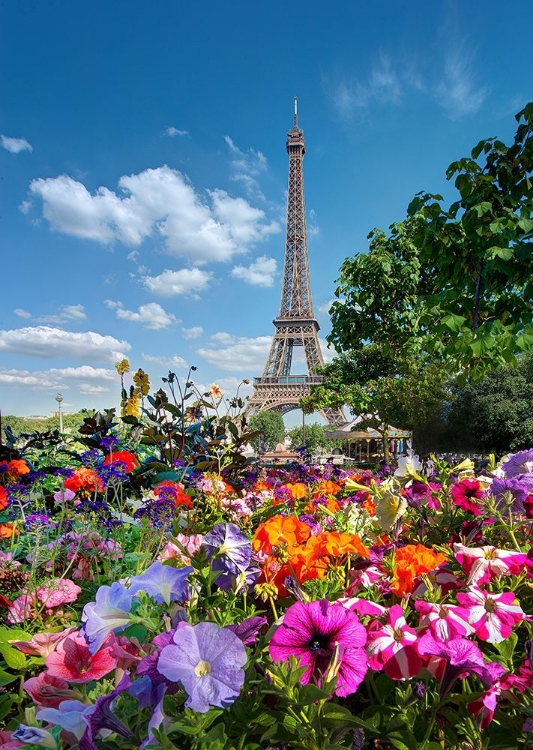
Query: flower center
489 554
202 668
490 605
319 643
398 635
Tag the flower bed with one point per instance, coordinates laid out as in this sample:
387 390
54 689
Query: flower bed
160 602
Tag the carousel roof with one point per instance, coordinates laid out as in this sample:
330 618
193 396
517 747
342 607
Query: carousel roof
354 430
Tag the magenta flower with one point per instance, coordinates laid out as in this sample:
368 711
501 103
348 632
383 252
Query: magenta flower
207 660
445 621
493 616
482 564
392 647
312 632
465 494
461 658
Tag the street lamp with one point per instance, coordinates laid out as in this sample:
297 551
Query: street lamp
59 399
303 427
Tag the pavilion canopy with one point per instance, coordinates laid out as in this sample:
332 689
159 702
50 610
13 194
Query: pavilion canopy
355 431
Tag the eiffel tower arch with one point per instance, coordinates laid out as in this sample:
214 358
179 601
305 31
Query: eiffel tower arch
295 325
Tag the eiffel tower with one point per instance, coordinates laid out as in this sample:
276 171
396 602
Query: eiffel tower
295 325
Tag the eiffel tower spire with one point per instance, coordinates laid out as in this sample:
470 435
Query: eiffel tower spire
295 324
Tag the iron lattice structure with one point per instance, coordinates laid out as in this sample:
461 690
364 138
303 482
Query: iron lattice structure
295 325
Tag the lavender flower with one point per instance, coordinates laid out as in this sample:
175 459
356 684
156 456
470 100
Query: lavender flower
519 486
35 736
230 548
520 463
162 583
102 717
207 661
69 716
110 613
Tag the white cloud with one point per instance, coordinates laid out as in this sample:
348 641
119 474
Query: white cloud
186 281
22 313
171 131
325 308
174 361
458 92
57 377
260 273
192 333
88 389
313 228
238 353
66 314
25 207
15 145
159 202
150 315
383 86
247 166
47 342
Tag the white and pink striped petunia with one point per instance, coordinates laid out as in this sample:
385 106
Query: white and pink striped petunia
483 564
492 616
391 647
445 621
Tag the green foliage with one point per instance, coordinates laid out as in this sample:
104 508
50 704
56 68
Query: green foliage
271 429
28 425
496 414
315 438
455 283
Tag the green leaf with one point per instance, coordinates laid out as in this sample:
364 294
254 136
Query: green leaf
505 253
526 225
6 677
13 658
482 208
13 634
453 322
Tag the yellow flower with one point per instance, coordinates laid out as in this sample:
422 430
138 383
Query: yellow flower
215 391
131 406
122 366
142 381
389 509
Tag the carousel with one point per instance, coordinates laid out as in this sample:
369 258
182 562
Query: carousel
366 443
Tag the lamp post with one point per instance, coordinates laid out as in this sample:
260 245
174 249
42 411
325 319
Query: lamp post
303 427
59 399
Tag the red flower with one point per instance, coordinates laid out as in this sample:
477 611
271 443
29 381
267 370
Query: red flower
84 479
175 492
125 457
4 498
73 661
465 493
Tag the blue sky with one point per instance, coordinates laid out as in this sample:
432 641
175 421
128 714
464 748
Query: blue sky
143 169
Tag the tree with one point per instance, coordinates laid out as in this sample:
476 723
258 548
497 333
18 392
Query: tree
315 438
271 428
496 414
452 285
388 390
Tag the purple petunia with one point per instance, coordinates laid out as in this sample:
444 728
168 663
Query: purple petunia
69 716
229 547
208 661
162 583
519 463
519 486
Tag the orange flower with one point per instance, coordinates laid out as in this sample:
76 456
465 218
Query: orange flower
84 479
369 505
410 562
8 531
279 530
337 544
4 498
261 487
331 504
15 468
298 490
327 487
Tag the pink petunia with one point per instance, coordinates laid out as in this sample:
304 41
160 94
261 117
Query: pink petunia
465 494
483 564
7 742
318 632
42 644
48 691
58 591
73 661
362 606
445 621
392 647
493 616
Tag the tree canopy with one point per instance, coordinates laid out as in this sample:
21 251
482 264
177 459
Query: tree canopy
271 429
456 283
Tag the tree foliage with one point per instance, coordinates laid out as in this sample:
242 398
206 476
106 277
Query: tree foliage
271 429
454 284
314 439
495 414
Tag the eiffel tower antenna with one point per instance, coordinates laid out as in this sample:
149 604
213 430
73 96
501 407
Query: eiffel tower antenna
295 324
